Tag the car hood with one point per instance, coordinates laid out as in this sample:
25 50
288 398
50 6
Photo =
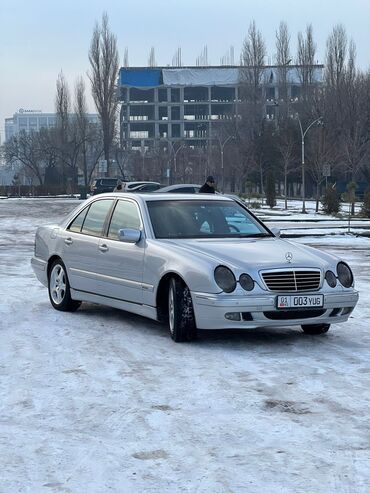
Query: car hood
261 253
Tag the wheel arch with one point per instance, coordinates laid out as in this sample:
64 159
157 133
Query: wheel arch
162 294
51 261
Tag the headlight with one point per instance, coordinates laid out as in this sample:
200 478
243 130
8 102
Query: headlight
246 282
330 278
225 279
345 275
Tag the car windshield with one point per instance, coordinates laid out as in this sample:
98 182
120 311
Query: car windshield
203 219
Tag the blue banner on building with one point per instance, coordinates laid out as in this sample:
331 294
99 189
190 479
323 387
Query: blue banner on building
142 77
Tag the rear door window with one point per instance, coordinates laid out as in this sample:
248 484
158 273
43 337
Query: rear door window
96 217
77 223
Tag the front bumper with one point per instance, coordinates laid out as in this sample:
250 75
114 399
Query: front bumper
257 310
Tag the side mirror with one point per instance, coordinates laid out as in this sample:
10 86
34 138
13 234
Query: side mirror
129 235
275 231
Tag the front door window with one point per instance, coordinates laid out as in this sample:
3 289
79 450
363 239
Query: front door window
125 215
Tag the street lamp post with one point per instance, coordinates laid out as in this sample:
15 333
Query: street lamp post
303 135
143 152
175 152
175 158
222 145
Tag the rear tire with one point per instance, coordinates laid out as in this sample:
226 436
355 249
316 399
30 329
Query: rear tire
181 319
59 290
315 329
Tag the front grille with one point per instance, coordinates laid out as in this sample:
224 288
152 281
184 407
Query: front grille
293 314
292 280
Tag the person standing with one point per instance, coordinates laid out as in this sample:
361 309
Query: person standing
209 186
118 187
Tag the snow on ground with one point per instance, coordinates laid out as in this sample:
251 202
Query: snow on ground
101 400
312 223
295 208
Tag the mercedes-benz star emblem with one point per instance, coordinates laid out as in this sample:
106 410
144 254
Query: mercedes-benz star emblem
289 257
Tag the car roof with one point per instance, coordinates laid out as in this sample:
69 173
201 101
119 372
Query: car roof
182 196
149 197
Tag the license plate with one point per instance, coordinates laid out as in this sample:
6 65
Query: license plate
300 301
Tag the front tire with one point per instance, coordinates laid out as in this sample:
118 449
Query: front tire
181 317
315 329
59 290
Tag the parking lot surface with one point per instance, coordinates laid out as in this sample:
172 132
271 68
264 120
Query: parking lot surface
102 400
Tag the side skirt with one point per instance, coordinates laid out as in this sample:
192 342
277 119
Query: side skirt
144 310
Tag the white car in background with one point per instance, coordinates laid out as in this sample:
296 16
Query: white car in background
131 186
193 261
180 188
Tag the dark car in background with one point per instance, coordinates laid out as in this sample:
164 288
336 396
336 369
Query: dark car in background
102 185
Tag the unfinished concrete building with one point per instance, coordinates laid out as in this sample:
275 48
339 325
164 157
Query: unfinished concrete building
173 104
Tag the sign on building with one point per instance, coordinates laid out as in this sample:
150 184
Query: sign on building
103 166
326 170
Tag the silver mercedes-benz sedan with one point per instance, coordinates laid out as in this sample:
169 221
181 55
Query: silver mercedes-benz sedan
193 261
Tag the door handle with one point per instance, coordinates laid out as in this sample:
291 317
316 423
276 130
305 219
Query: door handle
68 241
103 248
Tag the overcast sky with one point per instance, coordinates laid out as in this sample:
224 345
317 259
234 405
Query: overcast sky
38 38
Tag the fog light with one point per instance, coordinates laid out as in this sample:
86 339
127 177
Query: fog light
330 278
335 312
246 282
232 316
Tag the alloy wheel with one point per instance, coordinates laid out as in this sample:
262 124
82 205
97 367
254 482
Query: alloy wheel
171 309
57 284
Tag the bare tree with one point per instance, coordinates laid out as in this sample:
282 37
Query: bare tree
24 149
356 141
348 93
322 150
249 133
104 61
336 55
250 127
224 135
88 134
306 60
283 56
62 107
283 59
253 60
48 139
80 108
94 148
63 112
68 141
62 103
286 146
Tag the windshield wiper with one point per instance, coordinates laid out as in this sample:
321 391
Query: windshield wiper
253 235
